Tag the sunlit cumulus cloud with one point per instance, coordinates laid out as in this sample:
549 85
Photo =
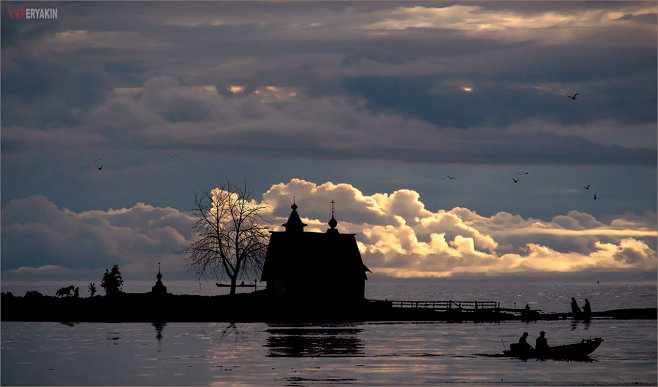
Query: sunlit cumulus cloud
42 241
397 236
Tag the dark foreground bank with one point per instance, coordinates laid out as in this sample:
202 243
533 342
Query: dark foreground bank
258 306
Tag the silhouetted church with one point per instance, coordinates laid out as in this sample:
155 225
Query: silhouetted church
159 288
312 265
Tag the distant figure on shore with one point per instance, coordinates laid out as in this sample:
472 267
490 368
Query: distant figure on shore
575 309
526 311
523 345
587 309
541 344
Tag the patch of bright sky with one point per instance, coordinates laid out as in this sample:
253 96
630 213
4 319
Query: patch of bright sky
476 19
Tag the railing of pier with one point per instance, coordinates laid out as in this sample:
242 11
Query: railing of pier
444 305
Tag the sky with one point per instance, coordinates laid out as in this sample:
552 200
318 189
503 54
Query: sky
370 104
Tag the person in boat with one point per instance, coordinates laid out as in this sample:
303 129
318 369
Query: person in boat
541 344
523 345
575 309
587 309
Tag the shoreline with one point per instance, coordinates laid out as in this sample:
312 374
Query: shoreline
258 307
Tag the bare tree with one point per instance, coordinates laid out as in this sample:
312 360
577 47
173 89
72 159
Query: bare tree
229 236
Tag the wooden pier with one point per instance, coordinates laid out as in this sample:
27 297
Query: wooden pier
443 306
457 310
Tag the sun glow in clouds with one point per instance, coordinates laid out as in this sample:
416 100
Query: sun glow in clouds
237 89
467 89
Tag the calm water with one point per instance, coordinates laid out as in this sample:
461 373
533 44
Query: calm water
363 354
379 354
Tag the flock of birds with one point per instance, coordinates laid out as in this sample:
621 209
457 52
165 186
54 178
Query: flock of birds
516 180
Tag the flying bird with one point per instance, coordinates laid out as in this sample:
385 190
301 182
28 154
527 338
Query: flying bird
573 96
173 156
100 168
448 177
515 180
522 173
587 187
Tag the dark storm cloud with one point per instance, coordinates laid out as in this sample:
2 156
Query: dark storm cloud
352 82
512 96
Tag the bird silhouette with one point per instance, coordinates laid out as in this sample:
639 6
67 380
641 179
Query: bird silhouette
100 168
573 96
448 177
522 173
587 187
173 156
515 180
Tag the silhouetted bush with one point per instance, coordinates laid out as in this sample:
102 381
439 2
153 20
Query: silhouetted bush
112 281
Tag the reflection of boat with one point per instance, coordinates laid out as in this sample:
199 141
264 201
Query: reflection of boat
568 351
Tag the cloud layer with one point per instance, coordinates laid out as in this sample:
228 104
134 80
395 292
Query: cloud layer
389 96
483 83
397 235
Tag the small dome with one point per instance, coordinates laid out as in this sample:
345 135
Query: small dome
294 223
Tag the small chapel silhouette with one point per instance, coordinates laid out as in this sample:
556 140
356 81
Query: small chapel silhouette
159 289
325 267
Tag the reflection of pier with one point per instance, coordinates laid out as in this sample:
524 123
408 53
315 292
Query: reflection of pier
314 342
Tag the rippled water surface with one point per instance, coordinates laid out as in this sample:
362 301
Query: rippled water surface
373 353
365 354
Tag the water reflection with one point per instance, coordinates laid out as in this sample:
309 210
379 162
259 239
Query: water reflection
158 332
575 322
112 337
314 342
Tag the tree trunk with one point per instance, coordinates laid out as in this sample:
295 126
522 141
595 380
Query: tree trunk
233 284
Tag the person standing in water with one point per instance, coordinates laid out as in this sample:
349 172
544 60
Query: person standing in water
575 309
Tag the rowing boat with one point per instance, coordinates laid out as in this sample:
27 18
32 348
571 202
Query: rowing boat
562 352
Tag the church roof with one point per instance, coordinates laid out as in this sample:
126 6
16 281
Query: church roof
300 254
290 256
